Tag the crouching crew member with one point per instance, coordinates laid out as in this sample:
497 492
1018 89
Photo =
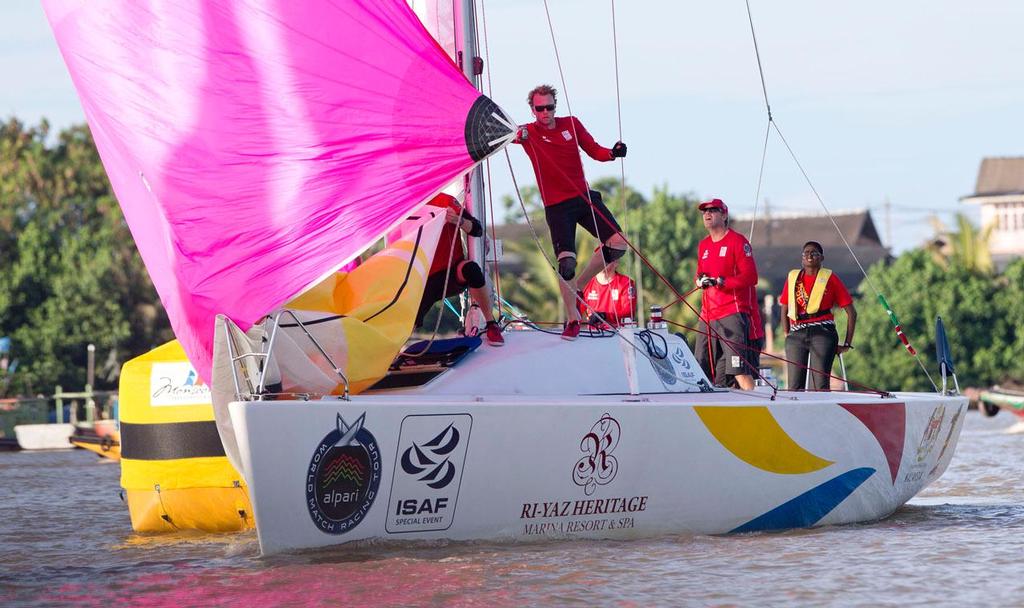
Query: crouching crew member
461 273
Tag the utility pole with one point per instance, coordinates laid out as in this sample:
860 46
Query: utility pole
888 223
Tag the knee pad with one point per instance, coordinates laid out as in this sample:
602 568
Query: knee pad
611 254
473 275
567 267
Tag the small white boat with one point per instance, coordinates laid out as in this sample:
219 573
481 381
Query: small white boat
44 436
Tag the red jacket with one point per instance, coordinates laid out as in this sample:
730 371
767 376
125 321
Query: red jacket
614 301
732 259
556 161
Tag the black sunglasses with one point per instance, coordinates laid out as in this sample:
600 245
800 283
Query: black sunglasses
547 108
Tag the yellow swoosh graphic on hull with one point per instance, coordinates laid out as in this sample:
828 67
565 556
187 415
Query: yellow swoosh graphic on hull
754 436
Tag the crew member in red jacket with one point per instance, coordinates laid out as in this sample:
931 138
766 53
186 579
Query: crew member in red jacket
610 295
451 266
553 147
728 275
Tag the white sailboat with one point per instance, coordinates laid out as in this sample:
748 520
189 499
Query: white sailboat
620 436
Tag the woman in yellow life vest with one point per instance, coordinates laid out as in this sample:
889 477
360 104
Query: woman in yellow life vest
807 299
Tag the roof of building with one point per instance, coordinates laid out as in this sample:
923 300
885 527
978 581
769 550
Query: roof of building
1000 175
794 230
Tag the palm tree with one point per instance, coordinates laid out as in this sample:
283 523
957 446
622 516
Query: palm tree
968 247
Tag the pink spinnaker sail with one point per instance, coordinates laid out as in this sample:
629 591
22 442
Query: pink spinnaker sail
256 146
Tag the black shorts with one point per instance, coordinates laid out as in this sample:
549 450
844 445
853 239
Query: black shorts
731 353
432 291
563 217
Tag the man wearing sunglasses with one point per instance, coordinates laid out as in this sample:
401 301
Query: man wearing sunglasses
553 147
727 274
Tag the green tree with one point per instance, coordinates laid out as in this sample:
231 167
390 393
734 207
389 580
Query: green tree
981 313
69 271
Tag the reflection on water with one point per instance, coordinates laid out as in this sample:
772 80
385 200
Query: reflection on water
66 538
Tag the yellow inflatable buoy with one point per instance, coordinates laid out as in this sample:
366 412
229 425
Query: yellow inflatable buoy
173 468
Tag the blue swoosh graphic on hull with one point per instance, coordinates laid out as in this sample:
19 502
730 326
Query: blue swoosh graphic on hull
808 508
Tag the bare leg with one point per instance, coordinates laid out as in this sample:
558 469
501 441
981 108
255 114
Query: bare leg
568 289
745 381
481 296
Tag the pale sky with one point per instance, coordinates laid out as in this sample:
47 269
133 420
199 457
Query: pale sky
897 99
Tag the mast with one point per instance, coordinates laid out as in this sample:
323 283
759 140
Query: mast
472 66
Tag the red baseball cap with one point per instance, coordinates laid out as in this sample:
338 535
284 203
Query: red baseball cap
715 203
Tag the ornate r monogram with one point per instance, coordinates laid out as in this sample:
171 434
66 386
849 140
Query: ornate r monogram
598 466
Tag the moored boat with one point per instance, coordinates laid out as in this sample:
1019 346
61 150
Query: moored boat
1007 396
52 436
104 446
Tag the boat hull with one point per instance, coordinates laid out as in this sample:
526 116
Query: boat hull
529 468
1011 401
44 436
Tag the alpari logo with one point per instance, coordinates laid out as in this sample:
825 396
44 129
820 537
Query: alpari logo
343 477
431 461
598 467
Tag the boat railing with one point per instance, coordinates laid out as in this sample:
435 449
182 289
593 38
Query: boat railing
258 390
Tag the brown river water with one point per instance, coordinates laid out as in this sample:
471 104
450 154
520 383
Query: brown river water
65 539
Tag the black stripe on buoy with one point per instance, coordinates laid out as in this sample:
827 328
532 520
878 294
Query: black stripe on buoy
170 440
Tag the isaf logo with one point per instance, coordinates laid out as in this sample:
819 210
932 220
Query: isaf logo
432 459
343 477
429 461
598 466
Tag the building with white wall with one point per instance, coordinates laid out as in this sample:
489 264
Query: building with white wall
1000 193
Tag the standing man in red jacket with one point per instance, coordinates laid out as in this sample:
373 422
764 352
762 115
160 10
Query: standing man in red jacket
553 147
728 275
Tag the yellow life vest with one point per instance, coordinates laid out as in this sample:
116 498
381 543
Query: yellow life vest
817 292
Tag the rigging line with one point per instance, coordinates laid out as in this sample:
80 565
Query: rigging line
629 244
572 124
760 177
622 161
772 123
870 283
757 53
490 192
552 264
456 238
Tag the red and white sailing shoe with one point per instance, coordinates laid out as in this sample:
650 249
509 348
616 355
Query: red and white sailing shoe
571 331
493 334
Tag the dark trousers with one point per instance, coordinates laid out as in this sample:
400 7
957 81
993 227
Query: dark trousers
729 353
821 342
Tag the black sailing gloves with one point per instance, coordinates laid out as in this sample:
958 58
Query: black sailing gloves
619 150
704 281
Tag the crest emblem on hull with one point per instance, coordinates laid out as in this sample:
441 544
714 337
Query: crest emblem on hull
598 467
343 477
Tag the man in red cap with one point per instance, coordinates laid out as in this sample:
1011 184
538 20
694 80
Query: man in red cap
728 275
